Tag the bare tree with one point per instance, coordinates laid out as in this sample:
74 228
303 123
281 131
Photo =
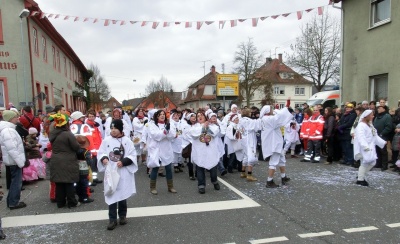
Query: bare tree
247 61
157 92
99 91
317 49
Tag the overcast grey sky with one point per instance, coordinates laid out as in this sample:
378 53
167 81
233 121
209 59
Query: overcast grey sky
131 52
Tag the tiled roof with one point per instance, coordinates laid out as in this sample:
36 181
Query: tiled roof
273 67
199 86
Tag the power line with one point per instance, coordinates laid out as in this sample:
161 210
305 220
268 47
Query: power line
204 65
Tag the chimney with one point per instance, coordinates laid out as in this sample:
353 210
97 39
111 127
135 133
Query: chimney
268 60
280 57
213 69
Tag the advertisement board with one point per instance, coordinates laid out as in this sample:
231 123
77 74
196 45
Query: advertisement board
227 85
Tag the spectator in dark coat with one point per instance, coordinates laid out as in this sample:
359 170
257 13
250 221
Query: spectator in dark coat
383 125
64 166
329 133
344 128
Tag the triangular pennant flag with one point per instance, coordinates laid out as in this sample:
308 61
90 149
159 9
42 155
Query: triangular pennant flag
57 15
144 23
155 24
95 20
114 21
76 19
209 22
177 23
166 24
242 20
263 18
275 16
299 14
85 19
106 22
233 23
42 15
66 17
286 15
320 10
221 24
34 13
123 22
199 24
133 22
254 22
188 25
309 10
50 16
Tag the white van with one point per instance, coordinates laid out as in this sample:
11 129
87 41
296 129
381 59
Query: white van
326 98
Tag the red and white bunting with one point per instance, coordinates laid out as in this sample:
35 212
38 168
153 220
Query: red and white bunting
155 24
221 24
188 24
254 22
320 10
299 14
199 24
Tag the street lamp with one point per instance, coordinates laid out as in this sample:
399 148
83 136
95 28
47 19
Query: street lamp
24 13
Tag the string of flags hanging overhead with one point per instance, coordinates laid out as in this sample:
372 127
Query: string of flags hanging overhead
187 24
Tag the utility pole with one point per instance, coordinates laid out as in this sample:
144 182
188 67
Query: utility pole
204 65
223 68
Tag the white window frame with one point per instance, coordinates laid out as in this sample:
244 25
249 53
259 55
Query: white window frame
373 13
372 85
278 90
44 45
297 91
35 41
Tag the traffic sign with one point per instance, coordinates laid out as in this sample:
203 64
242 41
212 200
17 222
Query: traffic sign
227 85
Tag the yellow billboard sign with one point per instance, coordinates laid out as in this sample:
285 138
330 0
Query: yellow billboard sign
227 85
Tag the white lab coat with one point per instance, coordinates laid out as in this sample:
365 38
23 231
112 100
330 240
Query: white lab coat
159 145
365 139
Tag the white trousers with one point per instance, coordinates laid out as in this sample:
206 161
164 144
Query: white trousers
277 160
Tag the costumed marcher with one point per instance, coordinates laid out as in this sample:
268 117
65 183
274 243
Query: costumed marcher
291 138
96 139
232 161
118 152
312 130
204 142
85 158
12 149
270 123
233 139
366 139
159 136
212 119
177 142
64 165
139 123
189 121
249 144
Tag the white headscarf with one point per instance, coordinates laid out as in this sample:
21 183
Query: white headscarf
233 106
151 113
365 114
189 115
265 110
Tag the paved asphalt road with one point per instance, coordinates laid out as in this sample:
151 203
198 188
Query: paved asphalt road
321 204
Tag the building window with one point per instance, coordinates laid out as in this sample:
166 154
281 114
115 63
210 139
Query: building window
281 105
46 91
44 48
2 96
379 87
299 91
35 42
298 105
279 90
53 52
65 67
58 61
70 71
1 30
380 12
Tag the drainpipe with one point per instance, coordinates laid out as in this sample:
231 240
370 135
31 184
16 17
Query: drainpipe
341 51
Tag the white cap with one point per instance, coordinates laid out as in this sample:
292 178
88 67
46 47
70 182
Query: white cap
77 115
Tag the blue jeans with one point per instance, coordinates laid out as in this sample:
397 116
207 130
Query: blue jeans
14 194
122 210
168 171
201 176
347 149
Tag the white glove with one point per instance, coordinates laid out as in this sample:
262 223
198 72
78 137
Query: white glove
283 153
